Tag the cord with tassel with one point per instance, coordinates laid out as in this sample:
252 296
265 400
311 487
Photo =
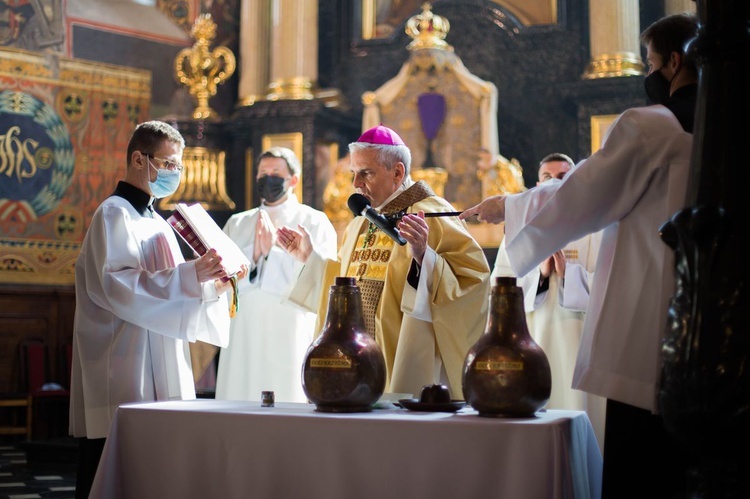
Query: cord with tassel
235 306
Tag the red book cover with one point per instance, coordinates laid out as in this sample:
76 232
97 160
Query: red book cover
186 231
200 231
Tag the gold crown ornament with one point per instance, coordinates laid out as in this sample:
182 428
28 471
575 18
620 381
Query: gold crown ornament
201 69
427 30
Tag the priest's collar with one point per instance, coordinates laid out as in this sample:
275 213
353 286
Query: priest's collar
408 182
142 202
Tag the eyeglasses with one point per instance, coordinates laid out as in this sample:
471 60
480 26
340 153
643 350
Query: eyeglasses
168 163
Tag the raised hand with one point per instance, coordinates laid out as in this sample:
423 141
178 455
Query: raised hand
414 230
295 242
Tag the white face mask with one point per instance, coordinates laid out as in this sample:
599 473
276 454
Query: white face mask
551 180
166 182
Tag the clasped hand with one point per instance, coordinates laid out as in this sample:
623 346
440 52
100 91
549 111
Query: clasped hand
265 236
555 263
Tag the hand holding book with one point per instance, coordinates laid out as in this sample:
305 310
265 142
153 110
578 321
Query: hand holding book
210 267
220 258
198 229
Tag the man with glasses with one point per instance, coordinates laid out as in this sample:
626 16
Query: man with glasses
138 303
270 336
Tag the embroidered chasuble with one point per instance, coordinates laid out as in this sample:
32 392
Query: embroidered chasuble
370 261
417 352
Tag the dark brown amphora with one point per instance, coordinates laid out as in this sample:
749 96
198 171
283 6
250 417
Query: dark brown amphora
344 369
506 373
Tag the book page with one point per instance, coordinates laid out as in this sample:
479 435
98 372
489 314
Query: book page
203 233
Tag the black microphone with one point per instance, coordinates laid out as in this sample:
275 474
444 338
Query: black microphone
361 206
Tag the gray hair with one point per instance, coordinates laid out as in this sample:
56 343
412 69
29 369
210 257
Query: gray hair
387 155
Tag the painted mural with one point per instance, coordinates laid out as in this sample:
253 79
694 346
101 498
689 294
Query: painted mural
64 128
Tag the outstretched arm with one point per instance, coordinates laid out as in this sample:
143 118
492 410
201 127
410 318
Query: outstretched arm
491 210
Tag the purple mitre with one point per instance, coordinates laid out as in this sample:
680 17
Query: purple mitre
381 134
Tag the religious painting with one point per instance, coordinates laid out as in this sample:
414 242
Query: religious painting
381 17
31 24
326 161
291 141
64 129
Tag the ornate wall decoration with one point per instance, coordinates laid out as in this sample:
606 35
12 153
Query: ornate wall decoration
380 18
63 139
443 112
202 69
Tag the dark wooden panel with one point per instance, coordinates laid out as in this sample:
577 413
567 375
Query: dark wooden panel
45 312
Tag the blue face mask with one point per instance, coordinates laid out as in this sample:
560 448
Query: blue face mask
166 182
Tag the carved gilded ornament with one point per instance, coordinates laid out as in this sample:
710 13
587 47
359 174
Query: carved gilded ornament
614 65
427 30
203 181
202 69
445 114
499 175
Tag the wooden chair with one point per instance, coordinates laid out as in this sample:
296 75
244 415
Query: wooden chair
16 411
50 398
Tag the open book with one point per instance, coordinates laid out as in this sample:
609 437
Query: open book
198 229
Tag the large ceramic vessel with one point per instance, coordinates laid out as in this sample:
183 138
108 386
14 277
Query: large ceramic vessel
506 373
344 369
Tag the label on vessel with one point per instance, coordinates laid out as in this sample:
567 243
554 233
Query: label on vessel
502 365
339 363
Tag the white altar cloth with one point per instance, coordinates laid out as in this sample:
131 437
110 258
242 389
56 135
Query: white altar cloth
207 449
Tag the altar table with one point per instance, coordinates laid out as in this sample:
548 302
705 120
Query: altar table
207 449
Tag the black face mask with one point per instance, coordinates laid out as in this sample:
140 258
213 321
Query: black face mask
271 188
657 88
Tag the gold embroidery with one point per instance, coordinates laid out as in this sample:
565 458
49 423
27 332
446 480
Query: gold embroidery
376 272
384 240
571 254
362 270
370 261
369 239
